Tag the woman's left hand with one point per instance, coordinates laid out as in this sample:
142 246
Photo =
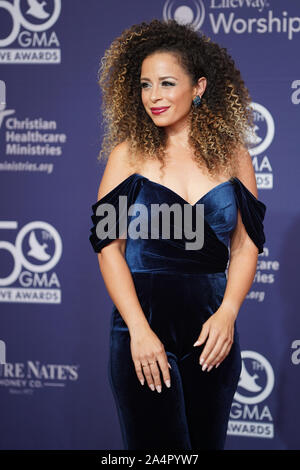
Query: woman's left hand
219 329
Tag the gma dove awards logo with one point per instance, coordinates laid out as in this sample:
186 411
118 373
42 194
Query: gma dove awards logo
35 253
30 38
250 416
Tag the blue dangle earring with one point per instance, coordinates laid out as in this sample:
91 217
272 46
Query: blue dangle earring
197 101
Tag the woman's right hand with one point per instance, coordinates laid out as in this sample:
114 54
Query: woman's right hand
147 350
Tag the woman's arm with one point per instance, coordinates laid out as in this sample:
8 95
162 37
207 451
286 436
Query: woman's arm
243 251
120 286
219 328
145 345
113 267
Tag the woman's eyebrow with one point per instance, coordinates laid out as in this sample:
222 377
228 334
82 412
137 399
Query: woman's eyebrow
160 78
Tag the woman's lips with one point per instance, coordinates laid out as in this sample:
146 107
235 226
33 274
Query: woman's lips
159 110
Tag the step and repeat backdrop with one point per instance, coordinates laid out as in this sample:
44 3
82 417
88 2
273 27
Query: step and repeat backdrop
55 310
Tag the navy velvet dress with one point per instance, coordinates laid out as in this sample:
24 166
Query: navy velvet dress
178 290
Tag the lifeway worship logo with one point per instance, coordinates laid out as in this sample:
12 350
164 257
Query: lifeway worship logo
36 251
27 377
29 40
249 415
223 16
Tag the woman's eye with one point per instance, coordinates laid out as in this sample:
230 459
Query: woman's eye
165 82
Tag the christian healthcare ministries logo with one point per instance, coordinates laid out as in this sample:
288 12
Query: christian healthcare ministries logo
249 415
232 16
36 251
25 37
28 137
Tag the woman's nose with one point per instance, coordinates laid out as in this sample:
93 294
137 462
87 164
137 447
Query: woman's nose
155 93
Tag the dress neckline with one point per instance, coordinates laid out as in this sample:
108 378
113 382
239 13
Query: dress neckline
178 195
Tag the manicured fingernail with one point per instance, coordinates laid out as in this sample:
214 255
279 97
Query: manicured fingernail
158 388
142 382
217 365
210 368
168 383
201 360
152 387
197 343
204 367
169 366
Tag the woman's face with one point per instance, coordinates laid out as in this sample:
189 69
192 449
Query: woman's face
164 83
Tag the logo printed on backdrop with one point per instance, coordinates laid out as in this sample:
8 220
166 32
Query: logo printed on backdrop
2 96
250 414
31 35
36 251
2 352
295 358
35 137
266 270
295 97
264 135
26 377
263 20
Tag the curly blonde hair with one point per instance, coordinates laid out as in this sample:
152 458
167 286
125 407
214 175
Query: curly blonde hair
216 128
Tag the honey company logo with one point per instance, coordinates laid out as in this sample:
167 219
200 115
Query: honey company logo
225 16
27 377
30 38
36 251
250 416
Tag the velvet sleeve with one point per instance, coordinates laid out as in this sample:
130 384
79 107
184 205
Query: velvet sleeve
118 213
252 213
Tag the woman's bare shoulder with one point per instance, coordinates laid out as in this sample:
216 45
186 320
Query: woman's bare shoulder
118 168
245 170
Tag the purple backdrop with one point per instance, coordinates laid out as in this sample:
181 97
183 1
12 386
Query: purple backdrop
55 310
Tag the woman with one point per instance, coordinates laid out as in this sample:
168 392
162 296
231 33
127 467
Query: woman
174 350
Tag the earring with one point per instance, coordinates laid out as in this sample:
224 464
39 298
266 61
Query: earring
197 101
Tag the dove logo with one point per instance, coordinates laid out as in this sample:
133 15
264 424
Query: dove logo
30 21
252 389
37 249
37 10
